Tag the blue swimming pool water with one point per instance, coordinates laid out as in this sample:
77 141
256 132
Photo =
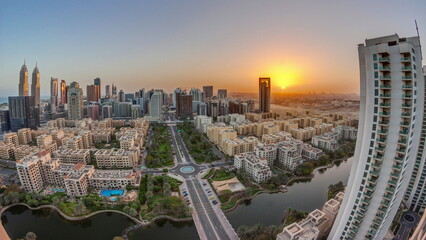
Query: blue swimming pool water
58 190
111 192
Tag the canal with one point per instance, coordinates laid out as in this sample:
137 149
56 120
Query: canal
267 209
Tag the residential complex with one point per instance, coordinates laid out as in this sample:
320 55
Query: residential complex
257 168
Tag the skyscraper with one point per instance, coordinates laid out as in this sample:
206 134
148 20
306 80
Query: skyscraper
4 120
63 89
23 81
222 94
208 91
121 96
93 111
264 94
23 113
35 85
107 91
156 103
392 96
93 93
97 82
416 191
54 92
184 105
197 94
75 101
114 90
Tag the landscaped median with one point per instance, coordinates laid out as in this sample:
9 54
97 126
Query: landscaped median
199 148
160 151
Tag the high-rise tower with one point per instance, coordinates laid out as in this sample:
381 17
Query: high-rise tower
391 110
54 92
264 94
63 89
23 81
208 91
97 82
416 190
35 85
75 101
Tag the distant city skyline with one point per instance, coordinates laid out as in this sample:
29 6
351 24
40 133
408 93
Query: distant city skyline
220 44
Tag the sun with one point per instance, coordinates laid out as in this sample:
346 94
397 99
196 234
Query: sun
285 76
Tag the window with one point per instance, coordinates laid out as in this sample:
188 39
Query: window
376 74
375 57
376 83
375 66
376 92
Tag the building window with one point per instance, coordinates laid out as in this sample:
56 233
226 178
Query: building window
376 74
375 57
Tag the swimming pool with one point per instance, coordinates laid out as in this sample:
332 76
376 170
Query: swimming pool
58 190
111 192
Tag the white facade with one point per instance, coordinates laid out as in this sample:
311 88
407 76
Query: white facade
391 109
155 104
254 166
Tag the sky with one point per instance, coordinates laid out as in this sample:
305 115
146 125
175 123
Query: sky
302 45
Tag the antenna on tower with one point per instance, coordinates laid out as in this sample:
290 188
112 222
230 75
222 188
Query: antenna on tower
418 35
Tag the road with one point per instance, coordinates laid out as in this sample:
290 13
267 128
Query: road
409 221
210 221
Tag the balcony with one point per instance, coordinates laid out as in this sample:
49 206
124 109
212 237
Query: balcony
383 132
377 221
388 95
407 86
384 59
397 166
385 104
404 69
401 149
395 175
393 182
380 157
405 105
376 165
380 149
385 77
371 188
407 96
375 172
385 68
405 59
406 114
390 189
405 123
403 133
399 159
385 123
385 86
388 196
386 114
407 77
381 140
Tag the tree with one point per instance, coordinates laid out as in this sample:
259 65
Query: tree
149 195
30 236
133 212
126 209
56 201
79 209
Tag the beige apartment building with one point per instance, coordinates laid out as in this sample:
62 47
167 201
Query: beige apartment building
77 181
102 135
24 136
74 156
11 138
239 145
254 166
225 134
113 158
30 172
75 142
46 142
7 150
22 151
113 179
276 137
317 225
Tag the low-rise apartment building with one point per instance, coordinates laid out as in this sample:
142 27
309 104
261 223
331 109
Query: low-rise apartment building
311 153
254 166
73 156
113 179
268 152
276 137
239 145
113 158
46 142
24 136
11 138
7 150
290 154
324 142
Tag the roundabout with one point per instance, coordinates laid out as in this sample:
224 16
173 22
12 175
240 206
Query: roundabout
187 169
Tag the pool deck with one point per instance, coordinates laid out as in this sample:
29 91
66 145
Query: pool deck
3 233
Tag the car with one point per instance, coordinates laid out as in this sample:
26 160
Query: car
211 198
184 188
207 188
188 203
204 184
209 191
214 202
210 194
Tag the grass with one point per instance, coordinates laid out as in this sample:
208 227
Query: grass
209 174
220 175
160 152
